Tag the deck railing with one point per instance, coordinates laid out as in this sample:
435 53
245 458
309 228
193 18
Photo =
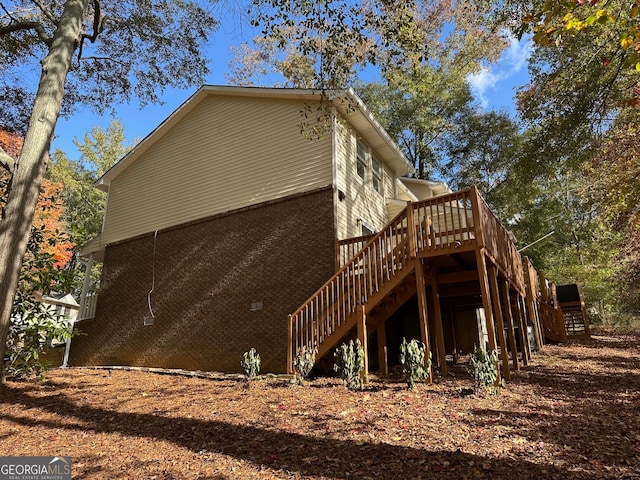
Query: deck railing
331 306
436 226
497 240
349 247
88 306
444 223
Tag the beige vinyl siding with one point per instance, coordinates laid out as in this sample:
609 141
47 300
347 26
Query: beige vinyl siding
227 153
422 190
362 201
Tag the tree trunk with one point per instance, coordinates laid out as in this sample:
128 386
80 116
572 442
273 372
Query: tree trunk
28 171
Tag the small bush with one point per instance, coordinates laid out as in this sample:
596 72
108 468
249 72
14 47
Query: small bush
412 361
33 328
349 363
251 364
483 368
303 364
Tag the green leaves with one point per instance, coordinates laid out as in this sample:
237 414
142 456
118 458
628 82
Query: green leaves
412 359
349 364
250 364
138 49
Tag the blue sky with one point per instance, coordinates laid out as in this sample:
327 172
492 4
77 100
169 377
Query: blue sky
494 88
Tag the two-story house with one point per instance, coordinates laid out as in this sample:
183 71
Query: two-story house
282 218
225 219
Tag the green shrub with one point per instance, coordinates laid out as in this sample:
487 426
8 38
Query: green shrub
412 361
349 363
250 364
483 367
34 326
303 364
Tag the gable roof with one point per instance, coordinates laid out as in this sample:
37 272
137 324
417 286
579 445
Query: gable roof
346 102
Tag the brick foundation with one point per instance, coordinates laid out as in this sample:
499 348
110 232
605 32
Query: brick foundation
207 275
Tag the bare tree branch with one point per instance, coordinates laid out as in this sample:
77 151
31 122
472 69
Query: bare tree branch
36 26
98 27
47 13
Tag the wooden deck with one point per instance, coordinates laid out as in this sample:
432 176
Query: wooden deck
452 244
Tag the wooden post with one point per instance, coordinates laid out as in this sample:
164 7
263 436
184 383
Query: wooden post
511 332
382 350
486 302
495 296
531 299
290 346
362 336
411 231
583 309
454 332
477 220
438 325
522 323
422 310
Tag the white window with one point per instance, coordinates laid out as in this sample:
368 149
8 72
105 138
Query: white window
376 168
361 160
365 161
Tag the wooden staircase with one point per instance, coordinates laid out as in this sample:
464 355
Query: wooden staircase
377 280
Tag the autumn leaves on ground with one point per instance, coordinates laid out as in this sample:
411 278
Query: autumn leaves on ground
574 412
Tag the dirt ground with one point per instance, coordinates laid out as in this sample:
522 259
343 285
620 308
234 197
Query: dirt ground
573 413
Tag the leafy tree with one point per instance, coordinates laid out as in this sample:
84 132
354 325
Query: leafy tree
335 38
422 52
424 117
42 271
90 53
564 21
614 189
482 153
84 204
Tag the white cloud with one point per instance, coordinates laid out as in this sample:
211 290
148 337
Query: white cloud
492 78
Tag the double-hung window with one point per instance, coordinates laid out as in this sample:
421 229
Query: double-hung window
361 166
376 169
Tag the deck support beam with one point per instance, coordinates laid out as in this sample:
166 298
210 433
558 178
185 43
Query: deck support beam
362 336
424 317
522 327
495 296
486 302
511 331
437 320
382 350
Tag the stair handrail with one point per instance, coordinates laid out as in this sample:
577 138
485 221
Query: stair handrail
352 285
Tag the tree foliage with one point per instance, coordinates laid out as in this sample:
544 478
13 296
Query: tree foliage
84 204
337 38
125 49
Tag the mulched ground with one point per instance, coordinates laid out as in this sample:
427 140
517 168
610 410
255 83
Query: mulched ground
574 413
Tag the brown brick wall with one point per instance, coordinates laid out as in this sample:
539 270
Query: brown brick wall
207 274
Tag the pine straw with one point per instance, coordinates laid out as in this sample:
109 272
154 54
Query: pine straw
573 413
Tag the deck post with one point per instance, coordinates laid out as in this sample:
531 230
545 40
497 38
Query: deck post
362 336
509 317
382 350
522 322
411 231
438 325
495 296
477 220
532 287
290 345
486 302
422 310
